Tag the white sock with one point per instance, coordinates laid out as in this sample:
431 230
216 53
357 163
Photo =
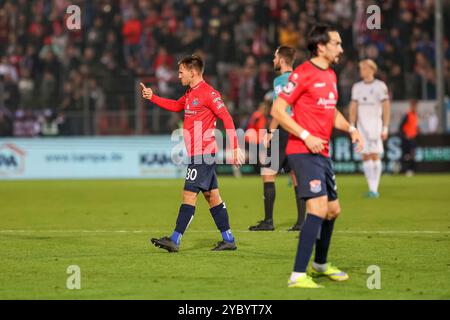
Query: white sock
319 267
296 275
377 169
368 167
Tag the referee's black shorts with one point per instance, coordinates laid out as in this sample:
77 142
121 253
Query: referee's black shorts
282 163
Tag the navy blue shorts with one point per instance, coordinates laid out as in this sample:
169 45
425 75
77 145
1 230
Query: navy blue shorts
201 177
315 176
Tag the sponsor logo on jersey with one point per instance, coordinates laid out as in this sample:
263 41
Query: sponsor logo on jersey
218 102
315 186
319 84
329 103
190 112
289 87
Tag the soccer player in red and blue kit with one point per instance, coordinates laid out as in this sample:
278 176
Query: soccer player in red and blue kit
312 92
202 105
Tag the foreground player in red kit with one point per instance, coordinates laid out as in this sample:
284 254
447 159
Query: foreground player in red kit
312 92
202 105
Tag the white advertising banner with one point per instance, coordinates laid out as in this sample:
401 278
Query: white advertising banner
89 158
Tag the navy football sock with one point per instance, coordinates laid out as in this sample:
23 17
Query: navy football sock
220 216
323 243
185 215
301 207
308 236
269 200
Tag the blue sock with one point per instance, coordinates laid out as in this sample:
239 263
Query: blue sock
227 236
323 243
220 216
185 215
308 236
176 237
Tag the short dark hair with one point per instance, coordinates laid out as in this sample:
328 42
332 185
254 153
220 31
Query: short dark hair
319 35
287 53
193 62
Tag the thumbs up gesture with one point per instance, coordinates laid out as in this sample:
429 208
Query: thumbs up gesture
147 93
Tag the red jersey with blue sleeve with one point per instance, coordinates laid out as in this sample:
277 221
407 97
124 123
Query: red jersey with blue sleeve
312 92
202 106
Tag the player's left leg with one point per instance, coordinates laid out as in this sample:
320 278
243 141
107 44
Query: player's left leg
368 167
372 165
268 178
310 176
269 170
377 170
185 216
220 215
301 205
320 266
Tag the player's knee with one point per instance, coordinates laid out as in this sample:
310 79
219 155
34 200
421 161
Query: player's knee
207 196
214 198
317 207
268 175
189 198
215 201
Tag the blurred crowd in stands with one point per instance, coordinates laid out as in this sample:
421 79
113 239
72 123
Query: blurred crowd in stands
55 81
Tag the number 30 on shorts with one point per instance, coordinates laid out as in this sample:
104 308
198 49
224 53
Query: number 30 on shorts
191 174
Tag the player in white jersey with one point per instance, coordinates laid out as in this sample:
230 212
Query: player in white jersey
370 109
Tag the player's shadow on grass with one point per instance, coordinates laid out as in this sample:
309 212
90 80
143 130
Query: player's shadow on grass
190 245
201 244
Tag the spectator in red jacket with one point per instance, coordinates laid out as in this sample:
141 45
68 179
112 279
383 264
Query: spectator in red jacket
132 33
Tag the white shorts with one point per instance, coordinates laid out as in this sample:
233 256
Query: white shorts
372 145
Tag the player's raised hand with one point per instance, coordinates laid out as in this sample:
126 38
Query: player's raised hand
358 140
238 157
147 93
315 144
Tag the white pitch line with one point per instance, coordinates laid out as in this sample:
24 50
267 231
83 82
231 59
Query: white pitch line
214 231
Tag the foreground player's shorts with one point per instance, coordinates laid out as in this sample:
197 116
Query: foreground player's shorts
315 175
280 152
200 176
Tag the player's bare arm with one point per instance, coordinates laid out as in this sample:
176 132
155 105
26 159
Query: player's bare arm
353 112
279 113
342 124
386 118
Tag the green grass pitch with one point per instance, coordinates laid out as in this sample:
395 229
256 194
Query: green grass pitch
104 228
